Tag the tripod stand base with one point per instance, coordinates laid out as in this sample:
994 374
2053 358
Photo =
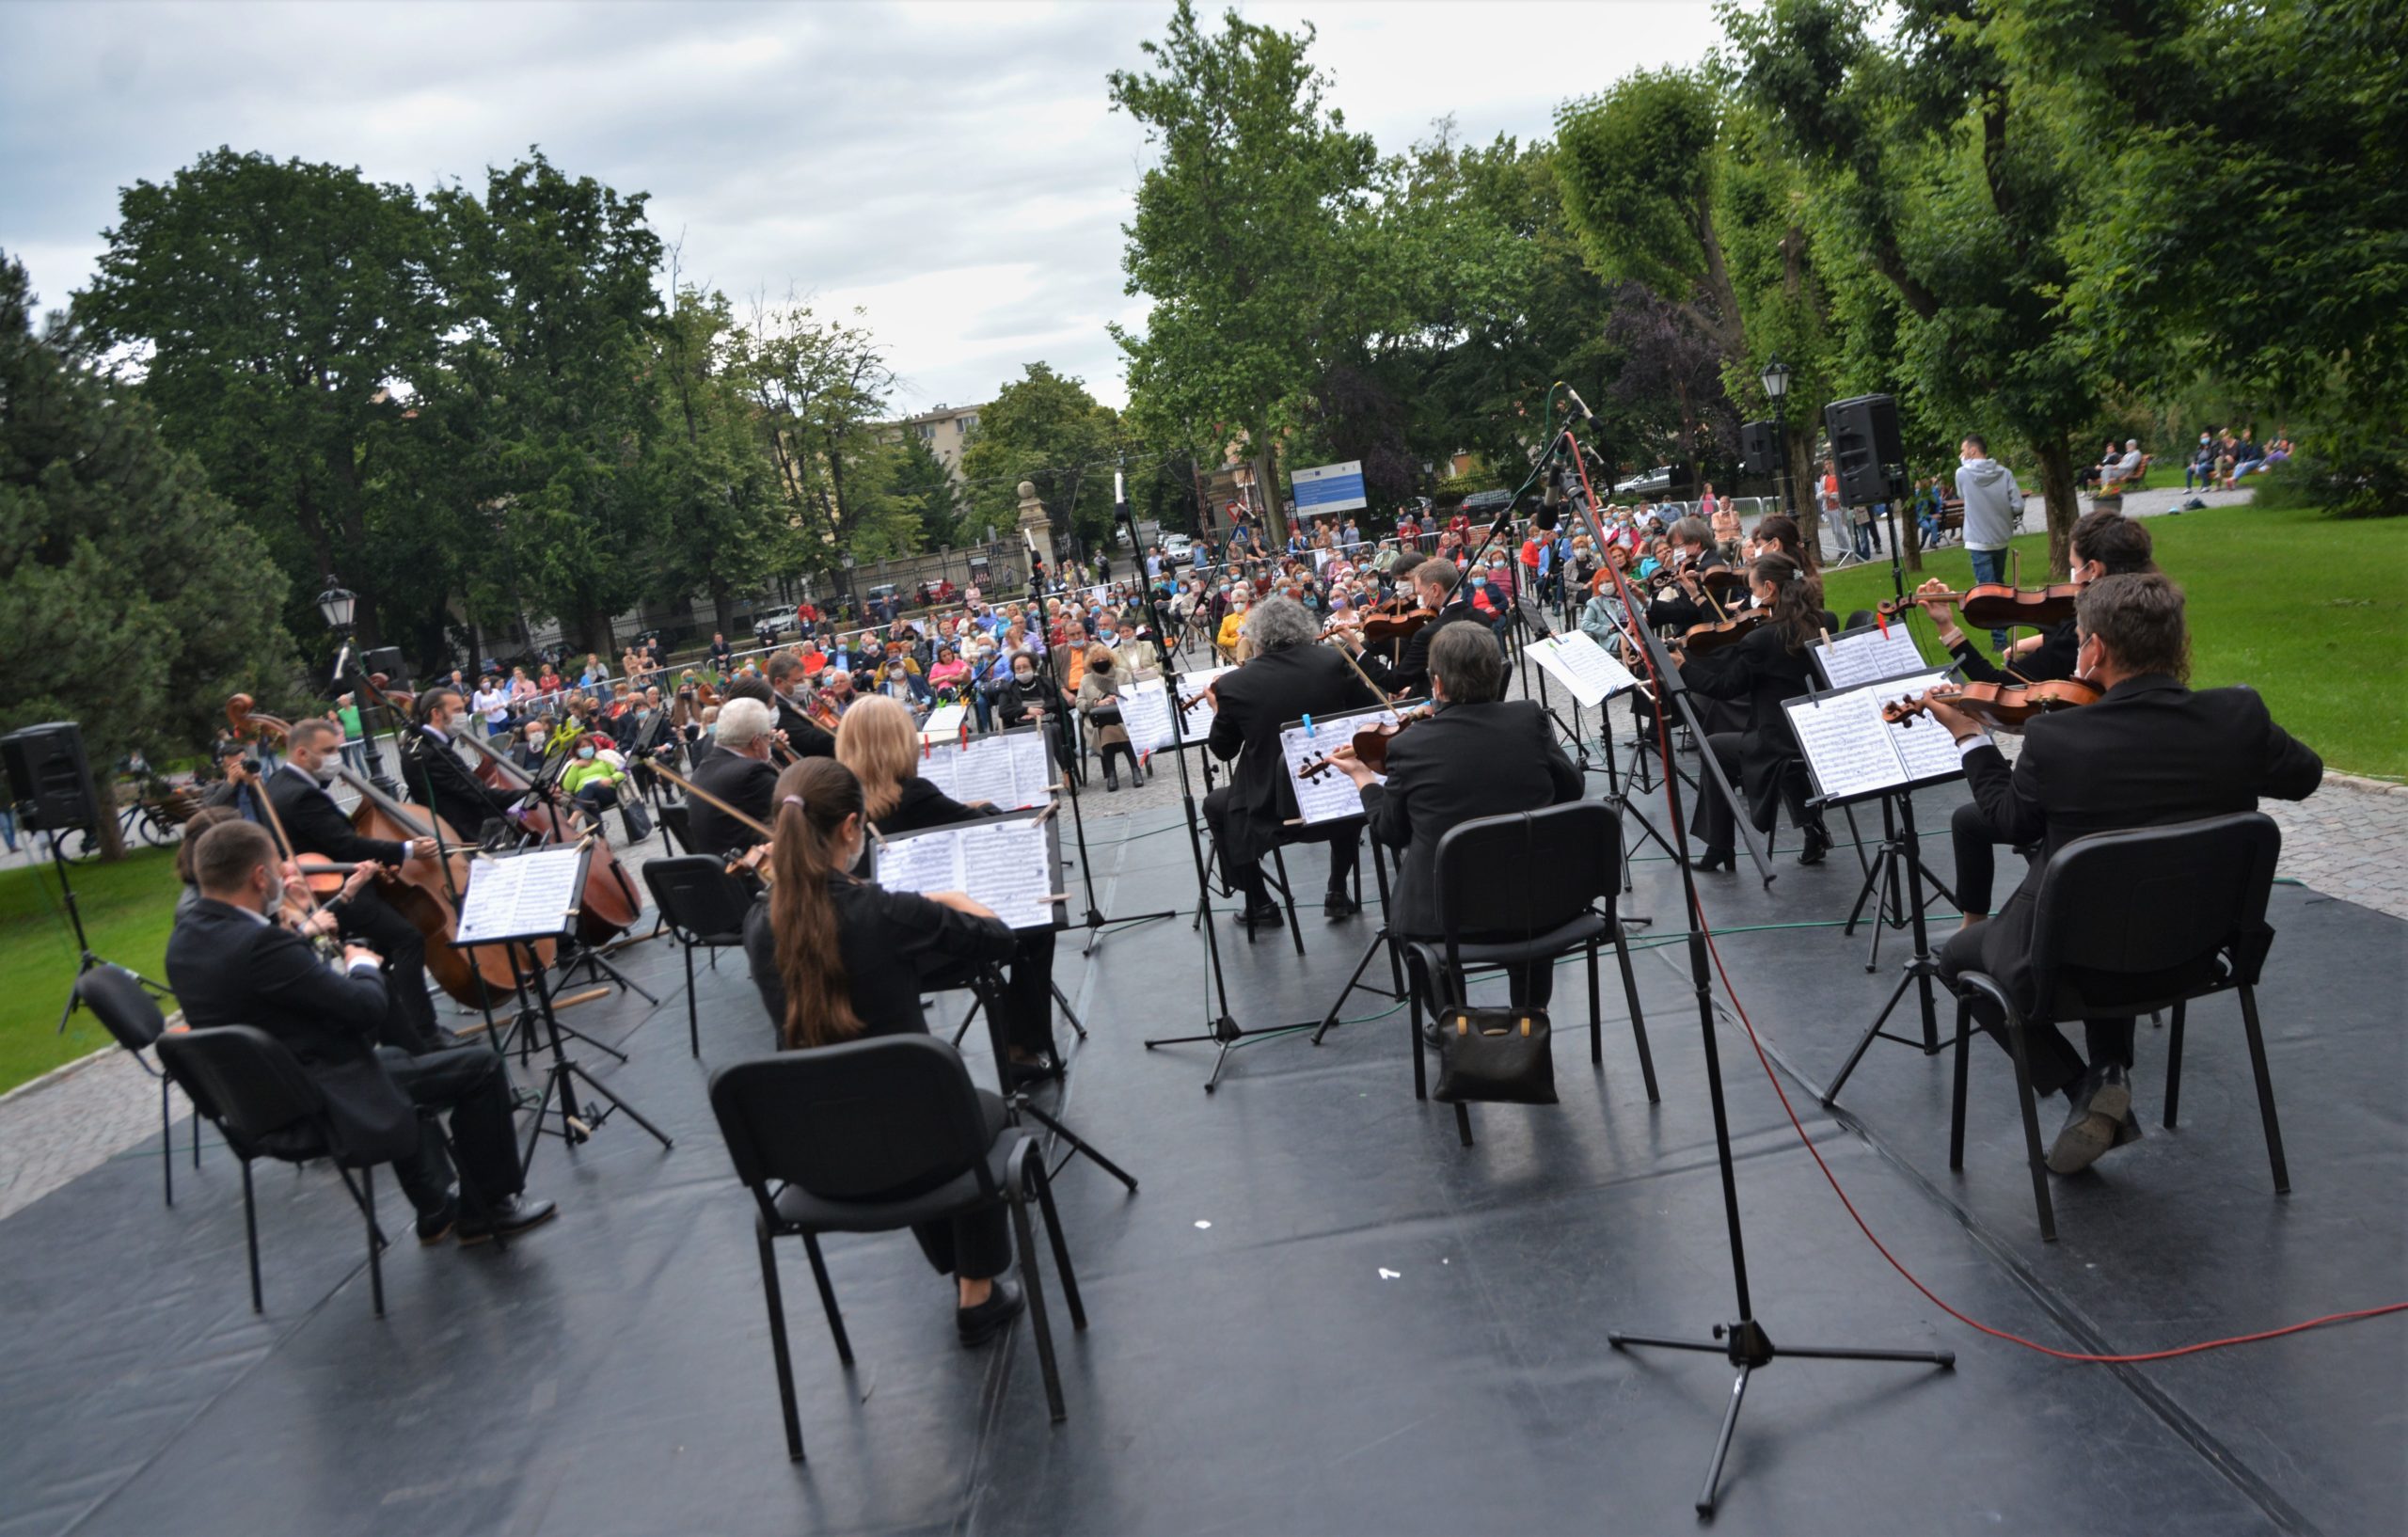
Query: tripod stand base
1227 1035
1746 1346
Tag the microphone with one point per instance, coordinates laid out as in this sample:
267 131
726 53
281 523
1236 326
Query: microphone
1550 511
1586 415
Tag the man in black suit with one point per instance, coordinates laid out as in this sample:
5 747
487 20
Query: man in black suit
738 771
1435 585
2150 751
1286 678
433 774
808 737
1684 603
1479 754
317 826
231 963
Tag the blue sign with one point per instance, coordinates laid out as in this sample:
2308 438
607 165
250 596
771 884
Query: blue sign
1329 489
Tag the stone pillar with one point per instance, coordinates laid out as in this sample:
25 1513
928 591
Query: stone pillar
1037 526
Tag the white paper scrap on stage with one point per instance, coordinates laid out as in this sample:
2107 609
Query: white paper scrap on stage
1584 667
1330 797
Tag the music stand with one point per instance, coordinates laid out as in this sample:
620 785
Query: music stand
525 900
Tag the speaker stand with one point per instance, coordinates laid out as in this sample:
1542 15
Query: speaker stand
85 960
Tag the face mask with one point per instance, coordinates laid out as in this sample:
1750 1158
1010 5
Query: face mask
585 752
1019 676
1103 664
1479 581
275 894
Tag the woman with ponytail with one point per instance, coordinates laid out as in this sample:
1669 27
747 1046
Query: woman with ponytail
837 959
1767 667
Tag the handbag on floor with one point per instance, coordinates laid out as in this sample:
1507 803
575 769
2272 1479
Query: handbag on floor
1495 1056
638 819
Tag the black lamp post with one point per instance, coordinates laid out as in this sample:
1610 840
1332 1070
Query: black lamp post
335 606
1775 379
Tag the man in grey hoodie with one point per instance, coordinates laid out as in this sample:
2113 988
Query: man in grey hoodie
1993 506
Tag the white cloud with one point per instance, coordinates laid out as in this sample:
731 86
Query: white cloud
955 169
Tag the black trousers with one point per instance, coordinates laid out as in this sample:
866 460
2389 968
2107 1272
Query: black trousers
976 1248
409 1020
1974 848
1105 750
1345 840
1711 820
469 1082
2056 1065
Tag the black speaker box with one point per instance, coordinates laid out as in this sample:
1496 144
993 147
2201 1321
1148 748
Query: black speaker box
48 776
1759 450
1865 448
385 660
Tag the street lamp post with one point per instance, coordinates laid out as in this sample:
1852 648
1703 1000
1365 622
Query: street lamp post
335 606
1775 379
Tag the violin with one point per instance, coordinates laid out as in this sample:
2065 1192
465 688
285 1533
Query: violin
1998 704
1371 745
1700 639
1997 606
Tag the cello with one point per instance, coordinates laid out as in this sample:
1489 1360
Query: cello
610 905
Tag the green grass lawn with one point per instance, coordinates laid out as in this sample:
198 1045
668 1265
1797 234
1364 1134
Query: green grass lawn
127 909
2306 610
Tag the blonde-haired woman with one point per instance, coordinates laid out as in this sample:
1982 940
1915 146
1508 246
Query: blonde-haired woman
1100 706
878 741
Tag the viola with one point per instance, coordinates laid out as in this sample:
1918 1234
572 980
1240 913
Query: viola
1998 704
610 905
1997 606
1700 639
1371 745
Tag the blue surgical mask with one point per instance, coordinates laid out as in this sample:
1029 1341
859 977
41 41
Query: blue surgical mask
1479 581
585 752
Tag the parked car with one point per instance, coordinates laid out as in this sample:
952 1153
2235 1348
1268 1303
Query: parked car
1654 483
772 623
1178 549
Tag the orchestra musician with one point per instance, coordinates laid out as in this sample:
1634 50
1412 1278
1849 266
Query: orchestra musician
317 826
1684 602
2150 751
1436 585
231 963
433 774
1764 667
880 745
836 959
1479 754
806 736
1286 678
2104 544
738 771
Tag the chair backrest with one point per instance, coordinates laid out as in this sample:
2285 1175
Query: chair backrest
698 895
113 995
674 827
2152 900
1526 872
853 1120
244 1079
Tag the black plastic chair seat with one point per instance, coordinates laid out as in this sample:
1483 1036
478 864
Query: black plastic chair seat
799 1207
1580 930
2082 994
727 940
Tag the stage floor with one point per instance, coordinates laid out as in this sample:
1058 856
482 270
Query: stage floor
1320 1314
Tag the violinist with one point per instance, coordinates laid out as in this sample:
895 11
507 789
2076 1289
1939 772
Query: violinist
1763 669
318 827
1436 586
738 771
432 773
1777 533
1287 678
1684 602
2104 544
2150 751
806 736
878 743
1479 754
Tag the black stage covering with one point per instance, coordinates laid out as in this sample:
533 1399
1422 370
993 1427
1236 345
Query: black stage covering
1319 1313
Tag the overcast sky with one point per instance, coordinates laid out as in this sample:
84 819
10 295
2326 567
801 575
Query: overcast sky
953 168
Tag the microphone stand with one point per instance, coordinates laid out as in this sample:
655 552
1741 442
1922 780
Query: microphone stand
1745 1342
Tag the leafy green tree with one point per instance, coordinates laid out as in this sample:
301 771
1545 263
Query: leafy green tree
1046 429
1239 237
918 480
274 309
818 387
132 599
727 531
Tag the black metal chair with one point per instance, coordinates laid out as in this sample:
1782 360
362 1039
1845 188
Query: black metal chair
1552 876
2129 923
676 828
246 1083
704 906
814 1135
116 997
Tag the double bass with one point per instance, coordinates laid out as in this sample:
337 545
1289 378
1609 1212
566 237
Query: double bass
610 905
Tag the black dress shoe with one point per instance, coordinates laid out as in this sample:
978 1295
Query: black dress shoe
1817 844
508 1217
1267 914
988 1319
1111 783
1340 905
435 1226
1715 859
1021 1074
2096 1122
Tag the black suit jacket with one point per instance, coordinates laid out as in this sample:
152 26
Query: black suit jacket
747 784
1466 761
1256 701
808 737
2150 751
1674 609
227 968
431 773
1410 673
893 944
317 826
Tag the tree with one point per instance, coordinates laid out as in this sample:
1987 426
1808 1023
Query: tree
1237 236
1044 428
918 481
726 529
273 310
133 601
818 387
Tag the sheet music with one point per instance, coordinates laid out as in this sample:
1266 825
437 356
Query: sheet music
1581 665
1864 656
943 724
1923 746
524 897
1854 753
1197 723
1330 797
1010 770
1007 865
1145 712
